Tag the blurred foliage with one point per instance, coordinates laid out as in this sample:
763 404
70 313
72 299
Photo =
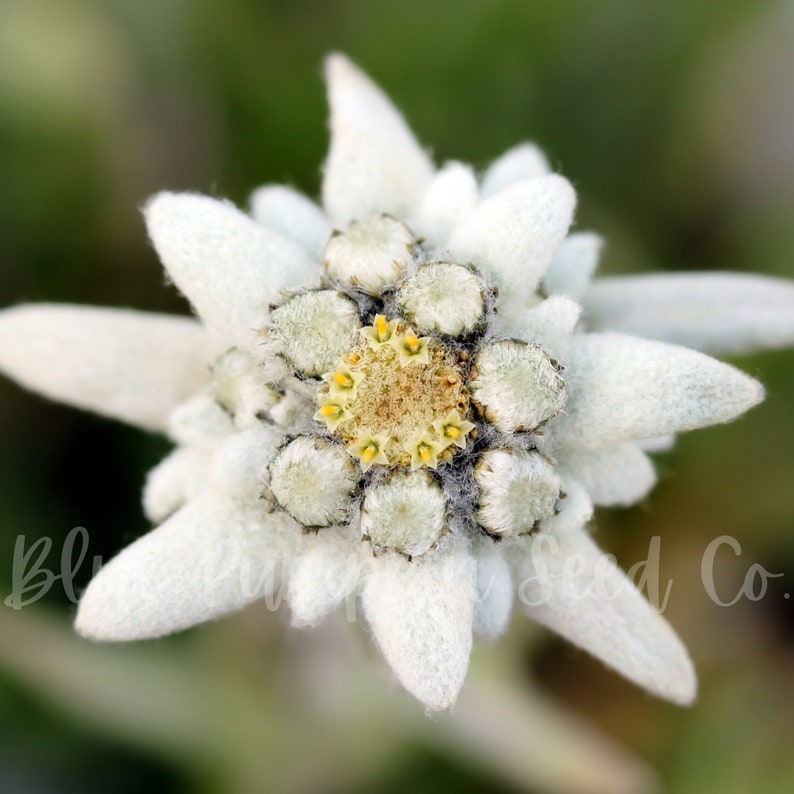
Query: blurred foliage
674 122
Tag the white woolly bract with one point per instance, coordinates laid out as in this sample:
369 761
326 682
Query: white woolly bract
449 197
620 474
443 297
574 508
313 329
623 388
549 322
657 443
566 583
293 216
524 161
175 480
421 615
405 513
312 480
200 420
370 254
517 385
375 164
129 365
718 313
518 488
512 236
213 556
327 572
573 265
228 266
240 465
495 593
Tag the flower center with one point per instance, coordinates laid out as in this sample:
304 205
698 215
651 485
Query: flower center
397 398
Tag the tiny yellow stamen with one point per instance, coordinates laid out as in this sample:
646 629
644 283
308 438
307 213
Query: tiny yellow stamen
382 327
330 410
412 342
368 453
425 454
452 431
343 380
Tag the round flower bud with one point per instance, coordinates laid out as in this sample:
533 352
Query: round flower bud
370 255
405 513
443 297
516 385
313 480
518 488
312 330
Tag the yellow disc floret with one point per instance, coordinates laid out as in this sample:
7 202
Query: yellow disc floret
397 398
333 414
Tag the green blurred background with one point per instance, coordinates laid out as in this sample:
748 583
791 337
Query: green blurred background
674 121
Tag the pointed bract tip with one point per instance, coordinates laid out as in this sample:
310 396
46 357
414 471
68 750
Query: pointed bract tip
163 201
757 393
684 691
339 66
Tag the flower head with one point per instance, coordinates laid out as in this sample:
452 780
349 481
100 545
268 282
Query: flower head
394 397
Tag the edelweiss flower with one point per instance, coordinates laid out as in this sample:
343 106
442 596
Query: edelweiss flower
390 397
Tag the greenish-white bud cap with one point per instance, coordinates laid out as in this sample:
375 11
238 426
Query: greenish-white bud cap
443 297
405 513
313 329
516 385
313 480
238 382
518 488
370 255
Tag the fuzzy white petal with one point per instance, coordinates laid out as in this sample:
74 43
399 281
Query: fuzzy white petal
521 162
375 164
421 614
548 323
494 593
451 195
199 420
573 265
719 313
620 474
569 585
239 468
129 365
657 443
575 508
514 234
325 575
213 556
178 478
292 215
622 388
229 267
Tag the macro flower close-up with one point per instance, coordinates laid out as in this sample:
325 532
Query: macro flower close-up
396 396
